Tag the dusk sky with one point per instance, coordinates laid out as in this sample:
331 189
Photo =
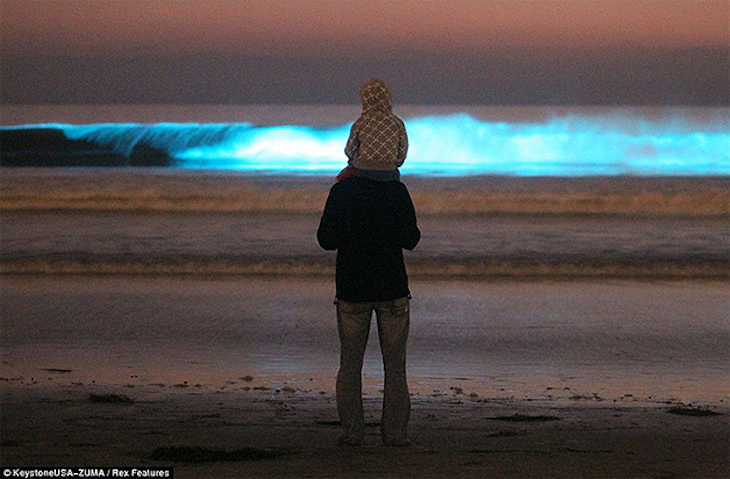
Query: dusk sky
655 52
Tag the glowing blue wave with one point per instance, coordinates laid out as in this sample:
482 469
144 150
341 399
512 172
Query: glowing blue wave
446 145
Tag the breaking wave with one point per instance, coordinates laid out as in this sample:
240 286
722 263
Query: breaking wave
459 144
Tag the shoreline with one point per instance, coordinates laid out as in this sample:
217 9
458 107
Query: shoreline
433 271
522 339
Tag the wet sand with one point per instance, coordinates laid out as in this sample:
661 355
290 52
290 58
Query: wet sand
508 379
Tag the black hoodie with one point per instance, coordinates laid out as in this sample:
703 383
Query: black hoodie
369 223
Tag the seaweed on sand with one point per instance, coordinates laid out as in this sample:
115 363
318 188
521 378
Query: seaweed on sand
524 418
110 398
692 411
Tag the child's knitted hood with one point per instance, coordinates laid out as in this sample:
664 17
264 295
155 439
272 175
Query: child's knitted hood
375 95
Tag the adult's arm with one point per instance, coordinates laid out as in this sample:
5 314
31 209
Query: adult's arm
327 232
409 234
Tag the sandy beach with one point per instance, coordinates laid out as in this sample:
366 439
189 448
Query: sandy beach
169 371
454 436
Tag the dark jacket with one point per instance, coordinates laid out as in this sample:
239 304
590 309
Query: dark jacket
369 223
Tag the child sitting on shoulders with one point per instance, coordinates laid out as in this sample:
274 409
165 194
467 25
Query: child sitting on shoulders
378 142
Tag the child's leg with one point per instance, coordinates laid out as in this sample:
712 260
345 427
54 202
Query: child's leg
347 172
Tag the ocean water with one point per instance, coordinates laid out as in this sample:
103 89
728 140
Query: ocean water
501 191
444 141
452 246
570 252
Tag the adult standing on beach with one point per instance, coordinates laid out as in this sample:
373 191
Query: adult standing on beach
369 222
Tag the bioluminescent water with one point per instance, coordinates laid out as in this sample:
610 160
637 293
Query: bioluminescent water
443 145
